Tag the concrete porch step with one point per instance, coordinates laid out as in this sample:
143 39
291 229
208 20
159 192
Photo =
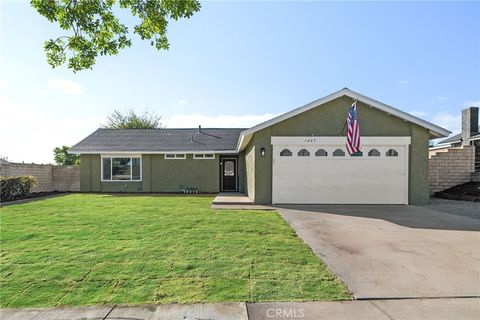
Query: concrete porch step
232 198
236 201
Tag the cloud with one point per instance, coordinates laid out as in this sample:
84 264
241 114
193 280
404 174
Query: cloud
3 84
179 103
29 134
452 122
67 86
221 121
471 103
441 98
418 113
403 82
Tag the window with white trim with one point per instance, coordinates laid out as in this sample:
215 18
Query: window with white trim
121 169
175 156
203 156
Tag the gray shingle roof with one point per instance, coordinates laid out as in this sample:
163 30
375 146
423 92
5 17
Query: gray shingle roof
454 138
159 140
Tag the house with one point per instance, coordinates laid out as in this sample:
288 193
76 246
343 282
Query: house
456 160
469 135
297 157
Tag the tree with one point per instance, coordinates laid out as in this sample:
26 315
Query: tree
98 31
130 120
62 157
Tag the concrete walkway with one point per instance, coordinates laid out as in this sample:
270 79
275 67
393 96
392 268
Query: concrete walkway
438 309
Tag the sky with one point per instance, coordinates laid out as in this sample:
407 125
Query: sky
236 64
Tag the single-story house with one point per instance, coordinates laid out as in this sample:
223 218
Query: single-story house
468 137
297 157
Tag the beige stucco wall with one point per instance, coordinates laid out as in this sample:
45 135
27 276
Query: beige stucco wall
49 177
448 169
328 120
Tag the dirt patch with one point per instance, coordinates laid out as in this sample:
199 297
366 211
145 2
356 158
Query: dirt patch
35 195
468 191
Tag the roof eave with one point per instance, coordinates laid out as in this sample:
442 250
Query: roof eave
434 130
153 152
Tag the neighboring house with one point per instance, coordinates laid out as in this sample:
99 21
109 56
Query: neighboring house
298 157
469 135
456 160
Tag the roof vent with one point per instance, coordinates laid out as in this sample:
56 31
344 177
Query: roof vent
199 129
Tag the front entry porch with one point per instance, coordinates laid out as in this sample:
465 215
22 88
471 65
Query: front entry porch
236 200
232 198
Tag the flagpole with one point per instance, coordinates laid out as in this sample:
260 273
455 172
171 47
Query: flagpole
345 124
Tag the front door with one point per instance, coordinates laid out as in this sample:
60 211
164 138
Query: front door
228 167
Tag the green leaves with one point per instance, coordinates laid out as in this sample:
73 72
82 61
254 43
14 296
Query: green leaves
130 120
97 30
62 157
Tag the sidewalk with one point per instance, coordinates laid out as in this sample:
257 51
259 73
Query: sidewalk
435 309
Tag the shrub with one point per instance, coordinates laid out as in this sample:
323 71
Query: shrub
13 188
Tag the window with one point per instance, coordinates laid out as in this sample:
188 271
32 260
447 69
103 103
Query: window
303 153
286 153
107 169
121 169
392 153
357 154
228 168
321 153
204 156
338 153
175 156
374 153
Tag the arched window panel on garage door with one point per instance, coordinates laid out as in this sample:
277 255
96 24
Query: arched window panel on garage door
321 153
374 153
303 153
392 153
285 153
339 153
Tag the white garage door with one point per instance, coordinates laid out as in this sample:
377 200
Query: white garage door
318 170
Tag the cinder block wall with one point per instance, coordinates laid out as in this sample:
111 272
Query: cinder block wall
50 177
66 178
448 169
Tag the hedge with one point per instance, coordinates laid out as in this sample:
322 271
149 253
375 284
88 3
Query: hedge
13 188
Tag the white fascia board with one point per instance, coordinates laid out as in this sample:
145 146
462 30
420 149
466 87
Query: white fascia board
336 141
153 152
443 146
434 130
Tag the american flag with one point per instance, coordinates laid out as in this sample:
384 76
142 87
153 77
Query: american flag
353 131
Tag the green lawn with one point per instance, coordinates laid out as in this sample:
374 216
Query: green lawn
85 249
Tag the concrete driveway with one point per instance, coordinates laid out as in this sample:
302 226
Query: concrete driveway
393 251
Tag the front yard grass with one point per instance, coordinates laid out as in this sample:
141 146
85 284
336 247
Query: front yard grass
86 249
